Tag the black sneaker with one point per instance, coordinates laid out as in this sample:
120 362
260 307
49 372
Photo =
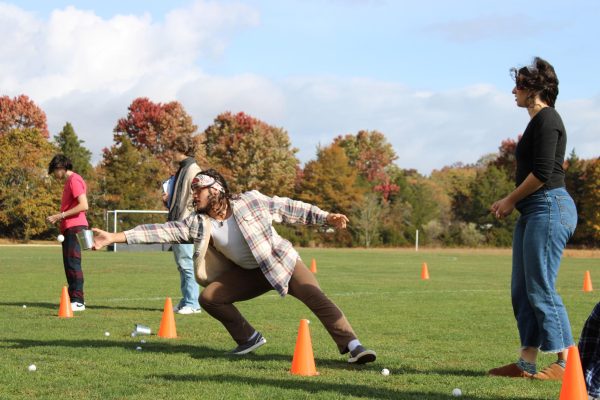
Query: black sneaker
250 345
360 355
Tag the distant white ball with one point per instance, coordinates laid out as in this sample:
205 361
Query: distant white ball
60 238
456 392
139 348
32 368
107 333
24 306
385 372
142 341
133 334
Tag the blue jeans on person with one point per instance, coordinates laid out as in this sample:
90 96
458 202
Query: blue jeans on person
190 290
547 221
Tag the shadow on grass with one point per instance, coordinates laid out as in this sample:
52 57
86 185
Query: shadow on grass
157 345
453 372
316 386
89 307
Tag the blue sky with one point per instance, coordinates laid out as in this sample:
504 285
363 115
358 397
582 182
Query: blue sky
433 76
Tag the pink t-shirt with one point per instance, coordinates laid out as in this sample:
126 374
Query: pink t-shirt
74 187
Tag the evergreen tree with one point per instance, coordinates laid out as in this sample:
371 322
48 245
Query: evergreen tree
27 194
71 146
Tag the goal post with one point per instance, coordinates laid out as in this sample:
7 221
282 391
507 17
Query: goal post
114 216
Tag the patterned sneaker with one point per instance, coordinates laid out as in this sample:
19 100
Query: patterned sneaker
250 345
510 371
360 355
187 310
76 306
552 372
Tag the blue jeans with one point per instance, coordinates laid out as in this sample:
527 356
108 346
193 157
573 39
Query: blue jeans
190 290
548 219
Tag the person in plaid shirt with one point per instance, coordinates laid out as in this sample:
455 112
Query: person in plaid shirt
589 351
238 256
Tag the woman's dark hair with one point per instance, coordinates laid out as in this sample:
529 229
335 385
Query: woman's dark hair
538 78
60 161
185 144
218 201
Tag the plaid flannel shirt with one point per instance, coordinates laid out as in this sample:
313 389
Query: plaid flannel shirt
589 350
255 213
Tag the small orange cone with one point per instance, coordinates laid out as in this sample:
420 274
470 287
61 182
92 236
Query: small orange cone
167 323
65 310
424 272
587 282
313 266
303 362
573 384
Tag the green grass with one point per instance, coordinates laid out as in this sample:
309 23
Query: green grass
432 335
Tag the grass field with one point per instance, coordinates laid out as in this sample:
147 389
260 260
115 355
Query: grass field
432 335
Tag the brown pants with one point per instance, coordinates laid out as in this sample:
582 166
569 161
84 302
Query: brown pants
240 284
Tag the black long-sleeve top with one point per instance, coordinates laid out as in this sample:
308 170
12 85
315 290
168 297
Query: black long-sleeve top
541 150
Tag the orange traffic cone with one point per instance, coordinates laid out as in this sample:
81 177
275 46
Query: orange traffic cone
587 282
573 384
167 323
313 266
424 272
303 362
65 310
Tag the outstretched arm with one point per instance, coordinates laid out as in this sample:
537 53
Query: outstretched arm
338 221
103 238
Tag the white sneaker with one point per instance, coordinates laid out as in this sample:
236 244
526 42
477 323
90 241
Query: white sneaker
75 306
186 310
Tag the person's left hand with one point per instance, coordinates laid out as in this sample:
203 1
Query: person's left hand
337 220
502 208
54 218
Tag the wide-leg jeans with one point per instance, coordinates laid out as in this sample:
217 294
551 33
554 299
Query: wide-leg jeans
547 221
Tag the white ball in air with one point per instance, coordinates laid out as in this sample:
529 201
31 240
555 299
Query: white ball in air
60 238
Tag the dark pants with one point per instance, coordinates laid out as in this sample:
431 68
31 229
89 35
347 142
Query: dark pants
72 263
589 350
240 284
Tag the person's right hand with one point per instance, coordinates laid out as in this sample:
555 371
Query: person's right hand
101 239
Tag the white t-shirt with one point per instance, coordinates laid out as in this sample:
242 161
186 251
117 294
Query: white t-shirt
228 239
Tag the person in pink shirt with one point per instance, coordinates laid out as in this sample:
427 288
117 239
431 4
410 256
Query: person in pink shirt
72 220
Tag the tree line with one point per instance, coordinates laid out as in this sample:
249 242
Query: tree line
356 174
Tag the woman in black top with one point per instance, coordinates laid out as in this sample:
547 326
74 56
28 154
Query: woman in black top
547 221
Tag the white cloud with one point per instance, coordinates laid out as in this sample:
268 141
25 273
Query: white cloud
86 70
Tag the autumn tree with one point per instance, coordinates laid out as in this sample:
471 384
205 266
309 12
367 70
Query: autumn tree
21 113
129 179
589 211
372 155
491 184
27 194
71 146
330 182
506 160
153 126
251 154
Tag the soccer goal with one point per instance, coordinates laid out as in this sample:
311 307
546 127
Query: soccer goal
131 218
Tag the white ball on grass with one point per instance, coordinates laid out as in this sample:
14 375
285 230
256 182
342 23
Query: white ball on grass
456 392
32 368
24 306
385 372
107 333
139 348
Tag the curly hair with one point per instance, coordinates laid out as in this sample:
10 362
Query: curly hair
218 201
539 79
